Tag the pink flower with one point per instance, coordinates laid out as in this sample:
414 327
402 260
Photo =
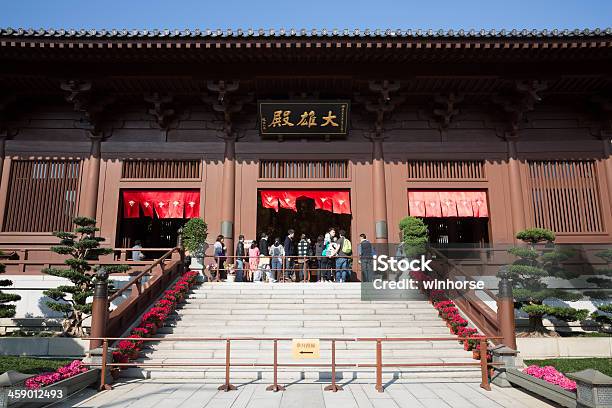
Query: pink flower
62 373
551 375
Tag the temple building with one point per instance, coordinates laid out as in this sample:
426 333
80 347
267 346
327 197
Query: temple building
482 133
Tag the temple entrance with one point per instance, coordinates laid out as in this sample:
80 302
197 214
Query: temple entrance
154 217
458 231
306 220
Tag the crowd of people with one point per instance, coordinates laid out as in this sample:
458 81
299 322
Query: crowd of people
329 258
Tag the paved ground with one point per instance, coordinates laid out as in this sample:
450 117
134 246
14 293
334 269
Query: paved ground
191 394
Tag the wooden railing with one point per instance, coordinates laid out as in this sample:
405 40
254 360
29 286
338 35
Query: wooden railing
476 309
162 272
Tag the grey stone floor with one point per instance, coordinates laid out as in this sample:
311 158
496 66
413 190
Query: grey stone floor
413 394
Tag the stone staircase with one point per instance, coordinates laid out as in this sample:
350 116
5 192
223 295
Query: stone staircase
298 310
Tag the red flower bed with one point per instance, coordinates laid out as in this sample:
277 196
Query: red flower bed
154 318
447 310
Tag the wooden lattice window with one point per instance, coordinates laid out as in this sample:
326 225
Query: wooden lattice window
304 169
42 196
161 169
565 196
446 170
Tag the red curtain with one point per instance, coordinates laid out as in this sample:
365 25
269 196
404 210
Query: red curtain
336 201
130 205
432 204
165 203
416 203
448 204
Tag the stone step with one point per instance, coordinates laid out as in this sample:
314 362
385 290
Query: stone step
302 323
286 374
235 303
286 345
347 354
303 331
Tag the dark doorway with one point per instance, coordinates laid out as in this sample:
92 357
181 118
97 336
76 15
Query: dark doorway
456 236
307 220
152 232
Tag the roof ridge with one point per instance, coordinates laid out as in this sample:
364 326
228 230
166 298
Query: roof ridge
314 32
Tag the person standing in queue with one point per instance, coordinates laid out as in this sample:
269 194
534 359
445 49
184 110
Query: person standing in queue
366 253
303 254
321 258
240 255
219 251
343 252
254 255
264 260
289 247
277 252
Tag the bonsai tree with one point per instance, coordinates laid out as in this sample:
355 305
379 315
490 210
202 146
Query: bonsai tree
414 236
603 316
7 310
195 232
603 283
528 273
81 246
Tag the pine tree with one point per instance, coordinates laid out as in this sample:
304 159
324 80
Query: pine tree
5 309
528 274
81 246
414 236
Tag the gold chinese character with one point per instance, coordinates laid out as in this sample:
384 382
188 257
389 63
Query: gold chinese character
286 121
329 119
281 118
308 119
277 119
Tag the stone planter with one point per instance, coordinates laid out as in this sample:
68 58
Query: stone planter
43 346
197 264
542 388
72 385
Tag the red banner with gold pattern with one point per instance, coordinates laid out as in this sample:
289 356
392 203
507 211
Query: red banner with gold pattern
446 204
165 203
336 201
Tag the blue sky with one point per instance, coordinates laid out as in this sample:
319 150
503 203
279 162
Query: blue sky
306 14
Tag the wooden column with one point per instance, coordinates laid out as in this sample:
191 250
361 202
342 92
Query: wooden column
4 181
608 164
228 194
92 180
379 192
516 190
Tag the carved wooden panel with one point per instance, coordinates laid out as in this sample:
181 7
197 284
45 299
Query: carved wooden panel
161 169
565 196
446 170
43 195
304 169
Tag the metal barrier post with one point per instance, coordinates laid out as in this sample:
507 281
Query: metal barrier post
103 384
379 386
227 386
275 387
333 387
484 365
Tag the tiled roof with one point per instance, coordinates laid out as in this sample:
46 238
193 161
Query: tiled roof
316 33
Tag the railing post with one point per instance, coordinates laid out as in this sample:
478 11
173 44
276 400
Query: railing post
484 365
103 385
275 387
99 310
505 312
227 386
333 387
379 386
